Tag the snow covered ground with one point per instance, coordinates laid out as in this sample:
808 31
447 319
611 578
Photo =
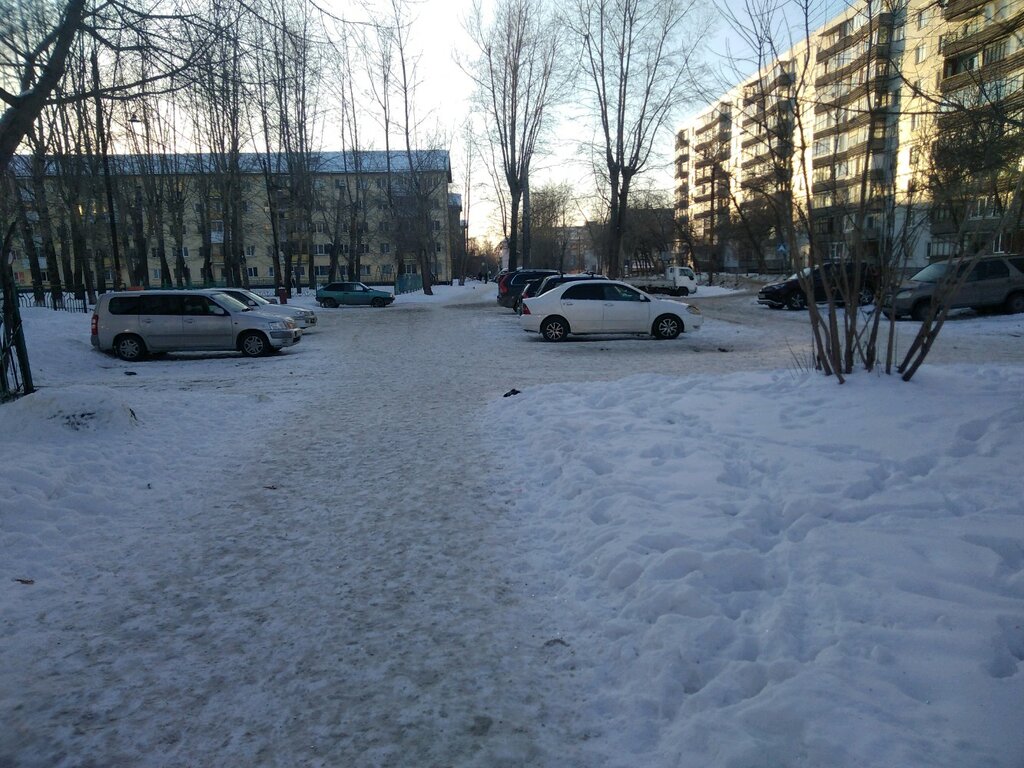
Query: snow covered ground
358 553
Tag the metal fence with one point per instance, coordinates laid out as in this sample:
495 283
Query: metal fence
61 302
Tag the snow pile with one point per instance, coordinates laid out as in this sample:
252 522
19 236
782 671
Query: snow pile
767 569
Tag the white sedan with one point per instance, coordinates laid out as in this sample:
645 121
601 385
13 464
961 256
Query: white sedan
606 306
304 318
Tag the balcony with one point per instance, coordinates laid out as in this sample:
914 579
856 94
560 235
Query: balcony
882 20
708 162
880 52
956 9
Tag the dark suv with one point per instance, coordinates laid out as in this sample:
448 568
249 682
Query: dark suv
510 287
790 294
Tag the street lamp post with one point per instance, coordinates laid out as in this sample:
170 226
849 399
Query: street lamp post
102 136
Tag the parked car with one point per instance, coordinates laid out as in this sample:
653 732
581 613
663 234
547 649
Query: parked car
677 281
790 293
606 307
510 287
993 282
540 285
336 294
304 318
133 324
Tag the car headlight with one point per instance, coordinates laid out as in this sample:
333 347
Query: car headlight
278 326
904 294
692 309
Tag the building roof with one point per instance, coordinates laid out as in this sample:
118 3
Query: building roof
368 161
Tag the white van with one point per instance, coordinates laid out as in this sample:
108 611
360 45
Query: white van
132 324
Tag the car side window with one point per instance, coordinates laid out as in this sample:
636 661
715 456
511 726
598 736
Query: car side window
124 305
1018 263
160 305
584 292
994 270
620 293
199 305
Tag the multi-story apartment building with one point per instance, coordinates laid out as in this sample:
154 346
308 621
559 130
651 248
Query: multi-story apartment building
837 146
183 220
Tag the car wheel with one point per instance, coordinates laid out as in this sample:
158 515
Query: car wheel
684 291
797 301
554 329
1015 303
329 303
377 302
920 311
129 347
254 344
667 327
866 296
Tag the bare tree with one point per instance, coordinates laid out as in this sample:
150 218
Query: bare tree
637 63
518 80
37 40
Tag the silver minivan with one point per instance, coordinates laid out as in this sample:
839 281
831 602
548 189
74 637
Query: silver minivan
132 324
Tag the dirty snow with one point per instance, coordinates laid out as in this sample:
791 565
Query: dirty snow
359 553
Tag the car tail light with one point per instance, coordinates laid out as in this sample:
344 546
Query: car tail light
95 325
526 309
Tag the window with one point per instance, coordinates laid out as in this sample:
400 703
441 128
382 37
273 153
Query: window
250 250
387 269
989 269
920 53
437 225
941 248
319 226
385 247
182 252
155 273
322 249
217 225
322 270
584 292
252 271
1001 242
160 304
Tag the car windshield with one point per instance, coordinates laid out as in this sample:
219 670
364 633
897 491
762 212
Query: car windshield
229 303
805 272
932 273
257 298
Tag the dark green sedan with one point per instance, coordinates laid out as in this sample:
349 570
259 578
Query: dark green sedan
336 294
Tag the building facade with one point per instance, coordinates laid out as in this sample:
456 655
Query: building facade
893 133
191 220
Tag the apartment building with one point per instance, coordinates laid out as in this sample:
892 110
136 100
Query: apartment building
834 147
182 220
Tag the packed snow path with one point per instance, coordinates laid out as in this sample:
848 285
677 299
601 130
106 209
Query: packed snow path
323 557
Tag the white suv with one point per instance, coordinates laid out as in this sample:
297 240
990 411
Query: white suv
132 324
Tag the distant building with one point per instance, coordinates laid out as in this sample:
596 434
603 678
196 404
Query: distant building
839 143
188 219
